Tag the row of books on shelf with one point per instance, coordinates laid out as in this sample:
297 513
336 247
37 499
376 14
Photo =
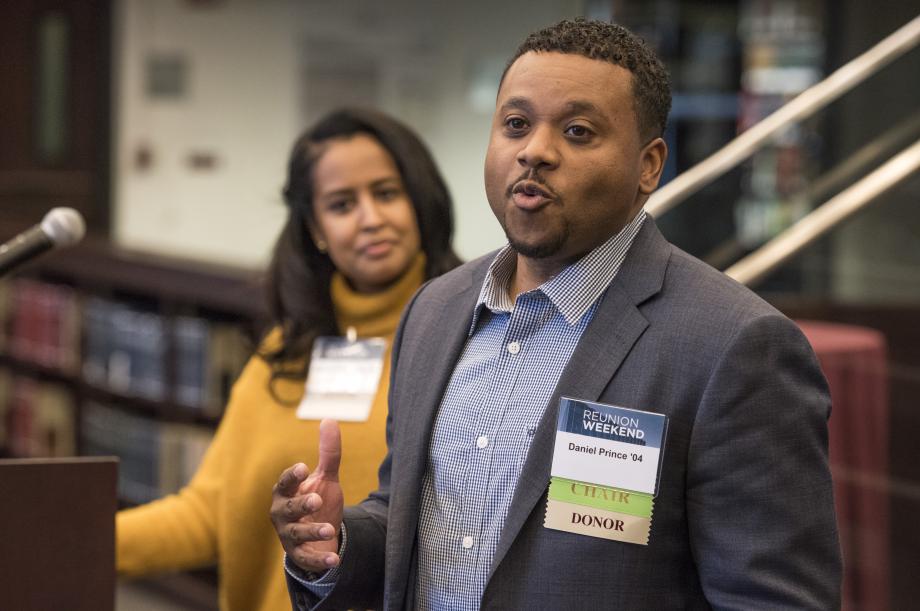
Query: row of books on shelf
40 324
120 347
156 457
36 419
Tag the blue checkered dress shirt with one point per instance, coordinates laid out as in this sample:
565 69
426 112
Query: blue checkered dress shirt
497 394
498 391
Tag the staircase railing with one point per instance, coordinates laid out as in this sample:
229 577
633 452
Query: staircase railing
804 105
754 267
757 265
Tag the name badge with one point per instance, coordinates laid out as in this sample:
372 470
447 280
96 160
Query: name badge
343 379
605 471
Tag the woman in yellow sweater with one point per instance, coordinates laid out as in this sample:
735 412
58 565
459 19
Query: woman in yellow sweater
369 220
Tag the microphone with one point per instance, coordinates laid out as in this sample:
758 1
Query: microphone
60 227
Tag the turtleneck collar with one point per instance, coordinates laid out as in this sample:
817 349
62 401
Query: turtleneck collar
375 314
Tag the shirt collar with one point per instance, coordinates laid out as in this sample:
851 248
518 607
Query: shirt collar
574 290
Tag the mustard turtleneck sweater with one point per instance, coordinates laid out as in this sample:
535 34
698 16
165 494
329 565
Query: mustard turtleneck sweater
222 515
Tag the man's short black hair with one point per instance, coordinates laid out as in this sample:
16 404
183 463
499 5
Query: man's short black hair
617 45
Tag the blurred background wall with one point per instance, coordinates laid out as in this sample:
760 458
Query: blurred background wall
208 97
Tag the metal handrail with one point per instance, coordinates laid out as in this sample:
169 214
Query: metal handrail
881 147
804 105
894 139
756 266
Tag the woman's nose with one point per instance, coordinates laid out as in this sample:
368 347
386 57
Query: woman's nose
370 215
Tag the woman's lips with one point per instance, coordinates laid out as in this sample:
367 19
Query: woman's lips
377 250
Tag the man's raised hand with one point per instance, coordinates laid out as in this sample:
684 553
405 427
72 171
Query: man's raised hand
307 507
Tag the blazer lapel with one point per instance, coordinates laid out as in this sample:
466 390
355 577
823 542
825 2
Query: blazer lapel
438 342
606 342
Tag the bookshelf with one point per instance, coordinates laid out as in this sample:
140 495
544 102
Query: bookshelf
106 351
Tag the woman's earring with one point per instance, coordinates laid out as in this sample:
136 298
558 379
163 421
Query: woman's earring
321 246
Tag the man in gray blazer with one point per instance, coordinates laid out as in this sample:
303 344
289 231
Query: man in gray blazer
587 301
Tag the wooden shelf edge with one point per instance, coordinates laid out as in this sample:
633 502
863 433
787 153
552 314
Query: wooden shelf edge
98 265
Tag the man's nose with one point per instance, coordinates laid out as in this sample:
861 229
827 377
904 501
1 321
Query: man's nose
540 149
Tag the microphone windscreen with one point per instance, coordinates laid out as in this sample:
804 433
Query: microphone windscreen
63 226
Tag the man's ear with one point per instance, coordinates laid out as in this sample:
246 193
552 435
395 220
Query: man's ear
651 161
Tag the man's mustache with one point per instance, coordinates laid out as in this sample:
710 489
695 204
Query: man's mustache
534 177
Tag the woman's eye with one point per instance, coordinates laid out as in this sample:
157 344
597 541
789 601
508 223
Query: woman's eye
338 206
387 195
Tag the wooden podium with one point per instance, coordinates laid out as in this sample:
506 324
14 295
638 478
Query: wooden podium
57 548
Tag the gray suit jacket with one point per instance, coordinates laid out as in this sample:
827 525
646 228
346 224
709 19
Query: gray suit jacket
744 517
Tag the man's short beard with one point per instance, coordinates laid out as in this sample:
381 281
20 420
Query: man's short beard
541 250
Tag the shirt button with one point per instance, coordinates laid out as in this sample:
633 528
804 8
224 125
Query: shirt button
467 542
481 442
514 347
531 431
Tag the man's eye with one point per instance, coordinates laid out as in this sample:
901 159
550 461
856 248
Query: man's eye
579 131
516 123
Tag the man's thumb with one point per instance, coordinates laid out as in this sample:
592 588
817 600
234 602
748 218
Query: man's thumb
330 450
